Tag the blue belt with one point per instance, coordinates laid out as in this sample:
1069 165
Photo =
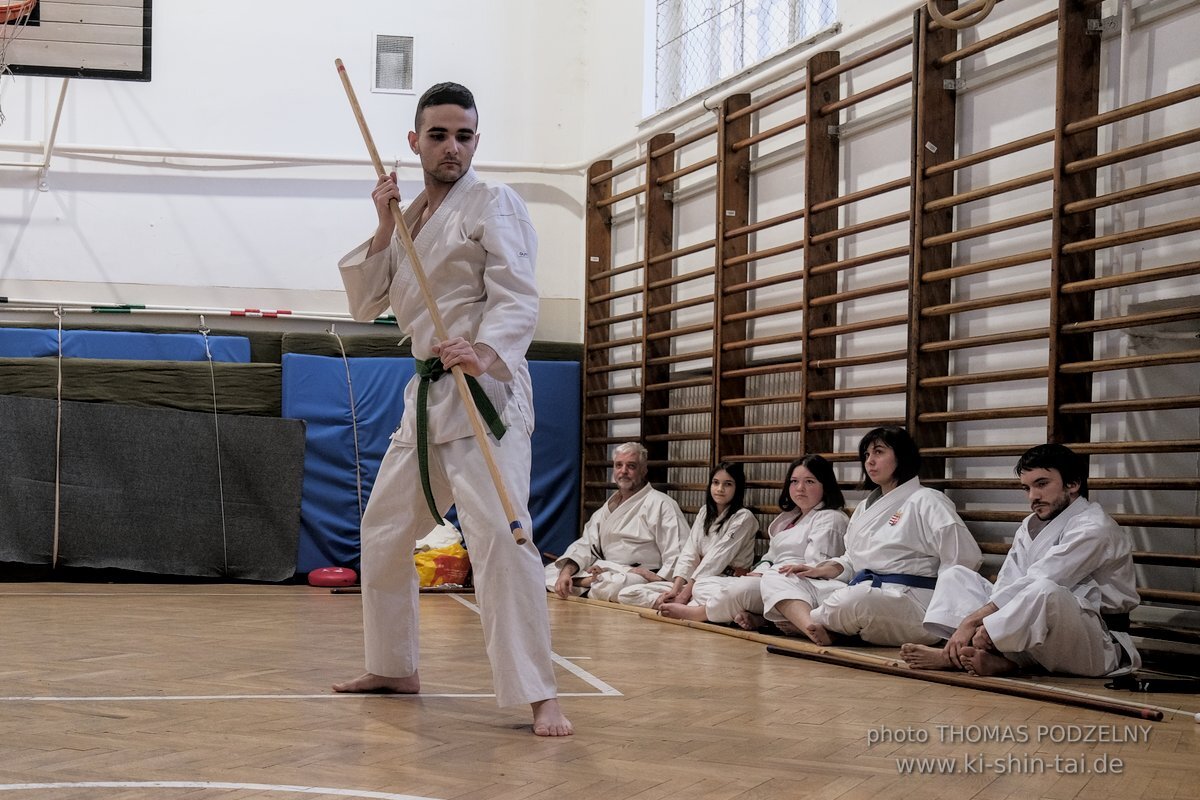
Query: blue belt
879 578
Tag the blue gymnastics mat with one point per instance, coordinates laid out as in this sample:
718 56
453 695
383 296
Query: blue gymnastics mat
315 390
126 345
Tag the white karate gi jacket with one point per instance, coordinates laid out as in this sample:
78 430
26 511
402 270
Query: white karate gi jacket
647 530
818 537
910 530
496 305
730 544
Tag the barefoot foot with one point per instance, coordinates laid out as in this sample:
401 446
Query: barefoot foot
549 720
817 633
682 611
370 683
920 656
787 628
986 663
748 621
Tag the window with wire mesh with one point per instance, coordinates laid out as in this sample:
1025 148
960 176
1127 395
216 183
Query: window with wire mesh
701 42
393 64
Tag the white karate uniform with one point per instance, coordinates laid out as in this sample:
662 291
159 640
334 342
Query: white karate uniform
730 545
646 530
911 530
810 539
1053 592
478 250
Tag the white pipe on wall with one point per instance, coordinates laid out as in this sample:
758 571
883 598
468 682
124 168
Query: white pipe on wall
653 126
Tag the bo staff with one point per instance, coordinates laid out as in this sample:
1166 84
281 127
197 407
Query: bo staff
439 327
1000 686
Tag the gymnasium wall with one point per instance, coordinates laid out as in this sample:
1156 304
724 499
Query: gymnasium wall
1005 95
235 178
180 225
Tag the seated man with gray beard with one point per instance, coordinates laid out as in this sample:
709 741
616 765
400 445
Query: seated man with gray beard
635 537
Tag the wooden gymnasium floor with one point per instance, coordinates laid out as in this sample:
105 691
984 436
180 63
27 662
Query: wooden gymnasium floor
214 692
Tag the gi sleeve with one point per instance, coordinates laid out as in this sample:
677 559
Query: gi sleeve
510 313
690 556
368 280
1083 549
585 550
949 536
826 539
668 525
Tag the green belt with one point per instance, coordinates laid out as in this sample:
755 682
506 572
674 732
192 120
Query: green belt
429 371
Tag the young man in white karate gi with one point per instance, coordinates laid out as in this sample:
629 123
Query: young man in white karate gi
477 246
1062 599
634 538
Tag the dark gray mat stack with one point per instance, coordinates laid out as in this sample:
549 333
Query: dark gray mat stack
140 489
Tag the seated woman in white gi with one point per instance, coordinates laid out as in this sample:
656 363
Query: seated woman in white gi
808 530
899 540
721 540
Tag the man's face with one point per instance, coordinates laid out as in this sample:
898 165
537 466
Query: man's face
446 142
629 473
1047 494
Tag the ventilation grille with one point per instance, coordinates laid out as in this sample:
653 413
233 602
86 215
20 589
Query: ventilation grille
393 63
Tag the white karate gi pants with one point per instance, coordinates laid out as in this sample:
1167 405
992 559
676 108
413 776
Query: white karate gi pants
605 586
890 615
507 576
643 594
724 597
1043 624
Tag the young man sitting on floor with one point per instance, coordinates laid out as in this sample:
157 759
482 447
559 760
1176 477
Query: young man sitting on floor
1063 596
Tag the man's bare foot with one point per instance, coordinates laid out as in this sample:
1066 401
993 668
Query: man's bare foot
748 621
370 683
549 720
985 663
682 611
817 633
787 628
921 656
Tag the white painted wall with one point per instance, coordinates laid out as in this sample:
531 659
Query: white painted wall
233 233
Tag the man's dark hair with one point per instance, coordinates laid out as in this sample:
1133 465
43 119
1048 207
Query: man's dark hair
445 94
908 457
1069 464
822 470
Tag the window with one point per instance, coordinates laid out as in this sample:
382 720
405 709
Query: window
701 42
394 64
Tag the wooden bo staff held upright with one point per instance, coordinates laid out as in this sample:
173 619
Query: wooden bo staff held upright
439 327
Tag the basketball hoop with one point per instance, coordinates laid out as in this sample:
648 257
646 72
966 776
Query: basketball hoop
14 15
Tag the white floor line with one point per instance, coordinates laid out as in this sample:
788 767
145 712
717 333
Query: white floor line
208 698
254 787
159 595
574 669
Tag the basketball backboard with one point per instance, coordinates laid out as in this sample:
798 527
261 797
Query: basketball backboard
107 39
